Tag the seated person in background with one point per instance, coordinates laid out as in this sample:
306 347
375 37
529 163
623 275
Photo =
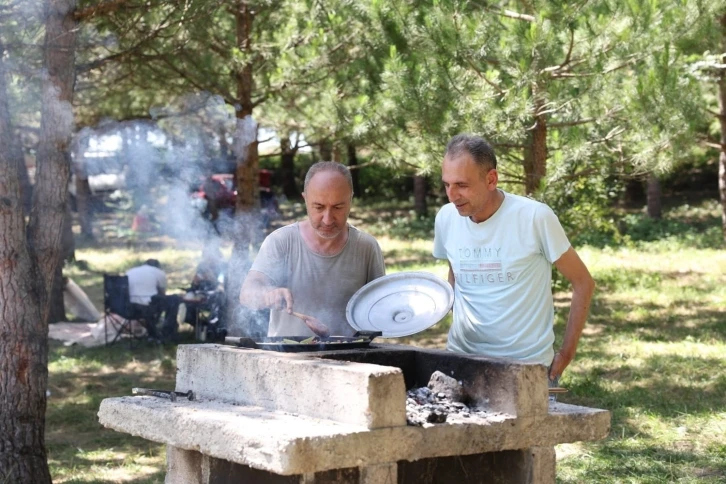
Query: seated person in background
208 278
209 270
315 266
147 291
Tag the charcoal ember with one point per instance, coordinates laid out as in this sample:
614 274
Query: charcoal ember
440 383
422 395
436 416
425 408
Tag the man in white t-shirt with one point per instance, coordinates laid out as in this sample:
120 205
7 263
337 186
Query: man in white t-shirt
500 248
315 266
147 291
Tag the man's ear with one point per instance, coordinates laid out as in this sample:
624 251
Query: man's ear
303 195
492 179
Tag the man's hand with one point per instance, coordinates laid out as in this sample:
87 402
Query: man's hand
279 298
260 292
559 363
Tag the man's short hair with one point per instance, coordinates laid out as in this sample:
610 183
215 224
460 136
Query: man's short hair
328 166
153 263
479 149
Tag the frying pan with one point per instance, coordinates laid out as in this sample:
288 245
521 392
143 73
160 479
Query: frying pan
361 339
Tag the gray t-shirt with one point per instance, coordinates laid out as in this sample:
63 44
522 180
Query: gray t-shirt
321 285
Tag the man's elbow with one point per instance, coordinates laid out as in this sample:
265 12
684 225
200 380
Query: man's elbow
587 286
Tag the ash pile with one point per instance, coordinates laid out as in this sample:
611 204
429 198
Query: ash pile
442 400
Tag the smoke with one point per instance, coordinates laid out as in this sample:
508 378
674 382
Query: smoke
245 134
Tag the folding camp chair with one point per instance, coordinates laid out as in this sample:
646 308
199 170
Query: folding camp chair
119 313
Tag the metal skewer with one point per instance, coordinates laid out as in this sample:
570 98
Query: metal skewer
169 395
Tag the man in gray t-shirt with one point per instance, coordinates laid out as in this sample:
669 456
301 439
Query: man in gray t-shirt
315 266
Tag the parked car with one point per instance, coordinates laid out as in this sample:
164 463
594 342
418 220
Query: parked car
217 193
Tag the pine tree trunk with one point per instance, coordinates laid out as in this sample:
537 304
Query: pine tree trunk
23 336
419 195
326 150
26 189
83 205
722 119
287 169
354 173
248 227
653 194
29 265
535 155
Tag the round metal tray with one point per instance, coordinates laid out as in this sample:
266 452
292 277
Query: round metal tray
400 304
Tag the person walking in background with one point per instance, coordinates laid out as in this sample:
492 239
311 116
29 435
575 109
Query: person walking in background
314 266
500 248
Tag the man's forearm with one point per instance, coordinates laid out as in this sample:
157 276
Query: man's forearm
579 310
253 297
252 293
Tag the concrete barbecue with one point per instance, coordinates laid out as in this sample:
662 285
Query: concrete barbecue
340 416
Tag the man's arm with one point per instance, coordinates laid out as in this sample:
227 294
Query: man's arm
583 286
259 292
161 284
452 279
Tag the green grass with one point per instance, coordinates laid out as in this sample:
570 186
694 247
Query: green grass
653 353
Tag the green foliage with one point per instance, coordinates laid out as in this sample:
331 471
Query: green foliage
680 228
404 226
384 182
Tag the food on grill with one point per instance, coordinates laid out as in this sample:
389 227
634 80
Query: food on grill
315 340
314 324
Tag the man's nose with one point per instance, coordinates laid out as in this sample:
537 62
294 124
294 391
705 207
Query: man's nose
327 217
452 194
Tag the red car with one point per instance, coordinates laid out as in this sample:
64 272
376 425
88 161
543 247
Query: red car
220 188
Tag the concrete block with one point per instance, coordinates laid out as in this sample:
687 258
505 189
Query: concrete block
543 465
284 444
183 466
360 394
380 474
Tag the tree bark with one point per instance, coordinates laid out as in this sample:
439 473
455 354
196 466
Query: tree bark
326 150
419 195
535 154
336 155
352 164
26 188
248 227
83 189
722 120
653 194
48 214
287 169
29 262
23 336
84 207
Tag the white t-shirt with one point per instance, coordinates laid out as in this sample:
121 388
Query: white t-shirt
503 303
321 285
145 281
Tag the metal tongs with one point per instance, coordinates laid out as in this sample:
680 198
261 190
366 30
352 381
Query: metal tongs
169 395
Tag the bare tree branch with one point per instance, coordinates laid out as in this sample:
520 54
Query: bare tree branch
514 15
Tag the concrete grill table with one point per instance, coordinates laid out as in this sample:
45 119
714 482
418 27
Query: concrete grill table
340 416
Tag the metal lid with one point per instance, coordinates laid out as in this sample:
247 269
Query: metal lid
400 304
